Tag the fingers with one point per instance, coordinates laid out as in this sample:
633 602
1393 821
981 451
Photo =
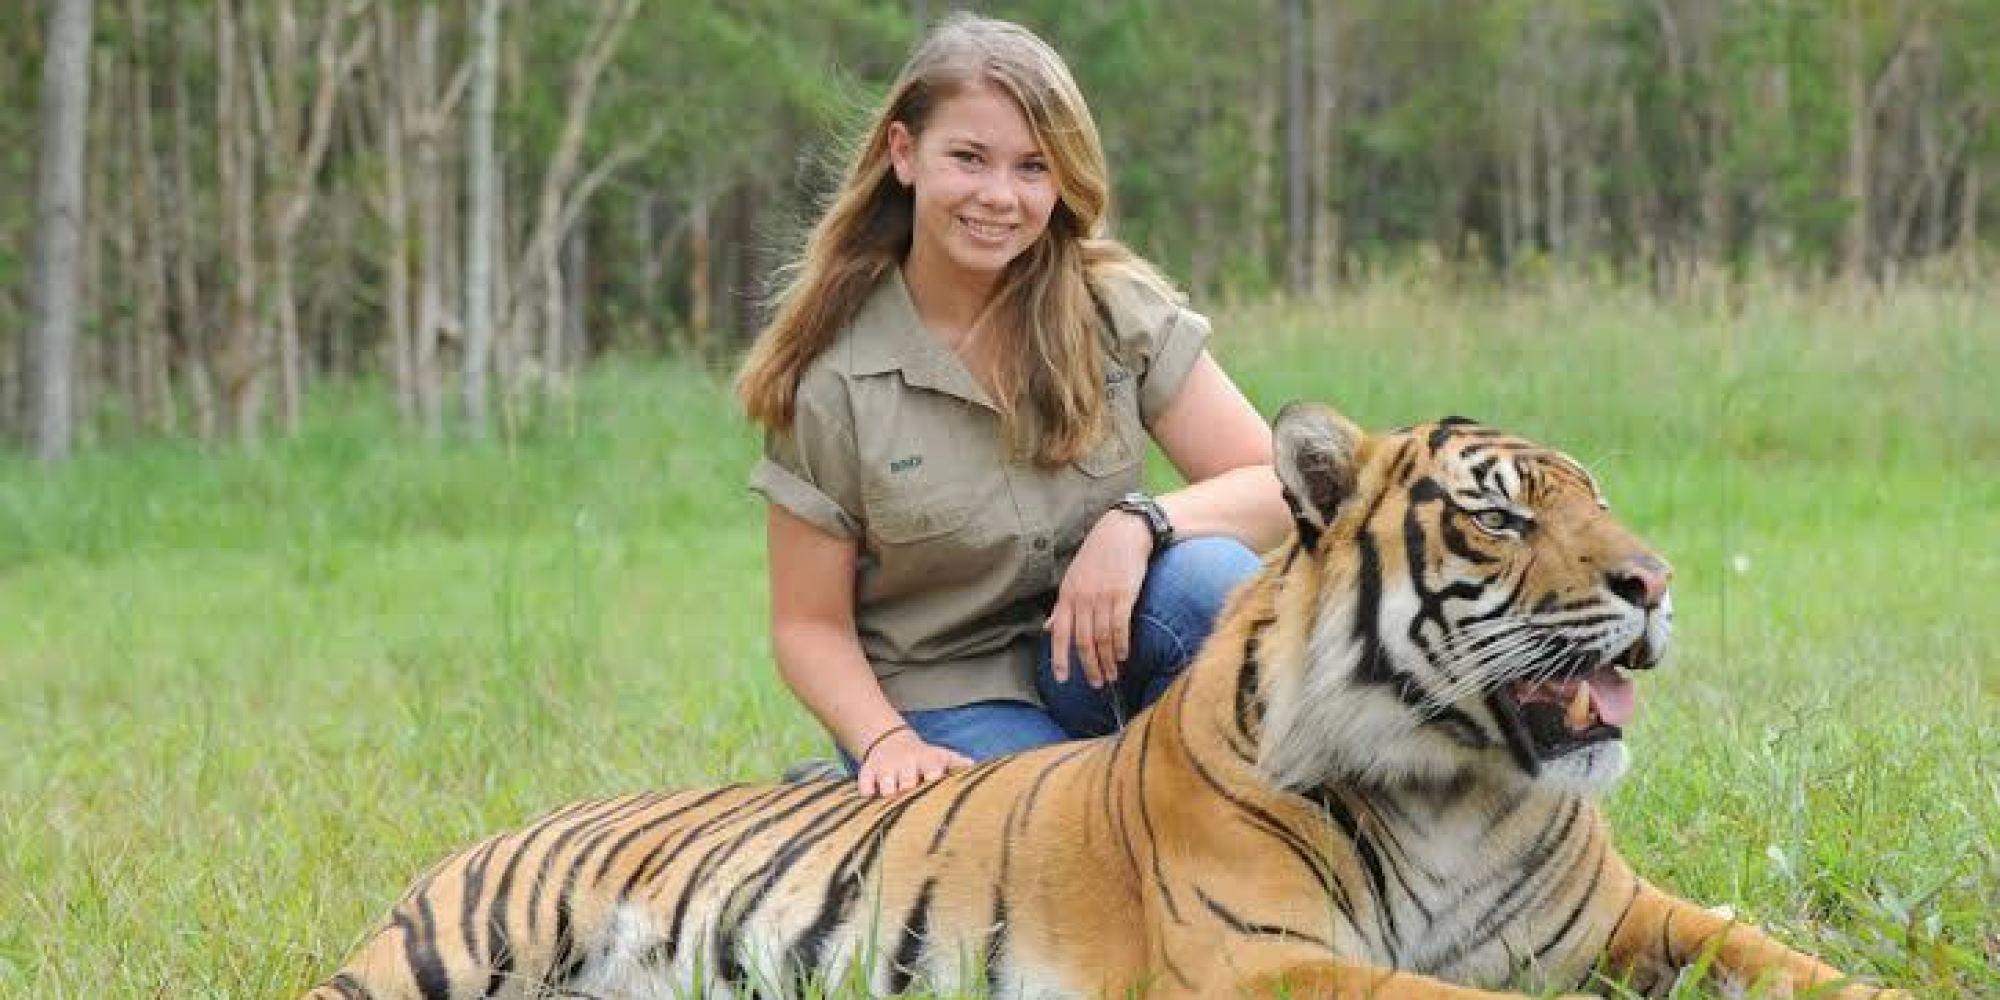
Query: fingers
930 768
1107 640
884 780
1097 632
1121 624
892 774
1059 642
1069 635
1086 648
1084 641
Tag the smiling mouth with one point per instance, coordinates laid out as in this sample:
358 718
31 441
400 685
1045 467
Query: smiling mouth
987 232
1551 718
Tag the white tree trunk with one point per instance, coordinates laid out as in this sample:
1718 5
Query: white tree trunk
1325 144
297 136
1968 212
241 352
58 228
391 82
155 386
562 197
479 229
192 323
576 311
431 225
701 307
1854 180
1298 237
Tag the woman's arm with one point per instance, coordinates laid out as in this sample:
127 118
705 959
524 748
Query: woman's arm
819 656
1222 447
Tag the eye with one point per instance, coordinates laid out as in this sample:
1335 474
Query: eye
966 156
1035 169
1498 521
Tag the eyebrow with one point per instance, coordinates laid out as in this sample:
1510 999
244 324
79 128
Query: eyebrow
982 147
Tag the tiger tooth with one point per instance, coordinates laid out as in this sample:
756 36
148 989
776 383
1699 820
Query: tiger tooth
1578 715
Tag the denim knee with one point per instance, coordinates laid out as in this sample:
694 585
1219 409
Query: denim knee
1187 585
1184 590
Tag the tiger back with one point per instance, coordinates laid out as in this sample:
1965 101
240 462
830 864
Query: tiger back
1376 779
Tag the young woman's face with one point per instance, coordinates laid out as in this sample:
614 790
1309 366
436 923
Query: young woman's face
983 189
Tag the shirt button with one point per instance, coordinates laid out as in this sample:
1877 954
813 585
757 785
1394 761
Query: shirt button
1041 543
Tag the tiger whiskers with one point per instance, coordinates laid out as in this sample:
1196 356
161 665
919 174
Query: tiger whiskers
1555 648
1487 660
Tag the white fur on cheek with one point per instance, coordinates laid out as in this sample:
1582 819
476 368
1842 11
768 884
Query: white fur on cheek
1322 725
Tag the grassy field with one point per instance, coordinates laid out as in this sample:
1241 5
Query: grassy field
247 696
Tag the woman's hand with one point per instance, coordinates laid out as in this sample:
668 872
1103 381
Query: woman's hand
1094 605
901 761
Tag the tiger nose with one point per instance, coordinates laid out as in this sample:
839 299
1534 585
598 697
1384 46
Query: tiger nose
1640 580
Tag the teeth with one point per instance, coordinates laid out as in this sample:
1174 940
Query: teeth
1578 715
988 231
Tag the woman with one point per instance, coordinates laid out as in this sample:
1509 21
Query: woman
957 387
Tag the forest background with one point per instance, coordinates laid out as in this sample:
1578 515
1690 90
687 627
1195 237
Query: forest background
371 483
282 194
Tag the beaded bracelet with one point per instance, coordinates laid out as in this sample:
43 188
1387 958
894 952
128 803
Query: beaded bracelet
885 734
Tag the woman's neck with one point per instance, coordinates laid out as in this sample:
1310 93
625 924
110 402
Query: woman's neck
950 301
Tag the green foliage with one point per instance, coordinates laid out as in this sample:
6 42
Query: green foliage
1658 139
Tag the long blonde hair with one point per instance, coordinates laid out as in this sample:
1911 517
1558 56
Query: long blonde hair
1044 298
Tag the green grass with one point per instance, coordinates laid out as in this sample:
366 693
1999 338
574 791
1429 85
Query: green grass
249 695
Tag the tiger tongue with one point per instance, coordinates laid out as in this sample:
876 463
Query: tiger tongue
1613 695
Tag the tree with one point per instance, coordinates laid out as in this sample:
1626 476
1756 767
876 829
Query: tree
297 136
1298 152
58 228
481 176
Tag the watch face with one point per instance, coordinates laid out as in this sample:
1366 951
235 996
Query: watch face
1148 510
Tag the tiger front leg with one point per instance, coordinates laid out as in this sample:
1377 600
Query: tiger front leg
1333 980
1289 971
1661 935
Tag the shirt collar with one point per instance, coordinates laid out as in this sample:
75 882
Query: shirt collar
889 336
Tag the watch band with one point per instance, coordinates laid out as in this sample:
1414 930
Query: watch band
1148 510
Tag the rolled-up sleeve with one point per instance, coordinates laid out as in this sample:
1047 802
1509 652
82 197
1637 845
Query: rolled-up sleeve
810 470
1171 349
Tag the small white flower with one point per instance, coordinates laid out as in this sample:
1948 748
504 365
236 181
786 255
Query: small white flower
1740 562
1779 860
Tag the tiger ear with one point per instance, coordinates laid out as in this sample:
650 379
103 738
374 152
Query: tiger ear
1319 458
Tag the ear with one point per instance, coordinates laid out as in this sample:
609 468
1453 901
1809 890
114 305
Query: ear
902 153
1319 460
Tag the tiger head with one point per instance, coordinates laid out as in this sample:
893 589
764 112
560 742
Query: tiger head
1475 613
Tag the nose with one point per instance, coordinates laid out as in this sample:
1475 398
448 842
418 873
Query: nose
1640 580
998 192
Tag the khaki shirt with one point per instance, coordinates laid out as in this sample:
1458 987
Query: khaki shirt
960 551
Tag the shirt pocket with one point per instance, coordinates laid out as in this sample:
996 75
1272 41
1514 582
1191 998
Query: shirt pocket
917 511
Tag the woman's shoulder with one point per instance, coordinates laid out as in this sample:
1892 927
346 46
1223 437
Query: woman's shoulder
1141 307
856 345
1138 300
825 378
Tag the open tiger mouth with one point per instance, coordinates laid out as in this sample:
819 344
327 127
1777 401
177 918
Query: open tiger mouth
1550 718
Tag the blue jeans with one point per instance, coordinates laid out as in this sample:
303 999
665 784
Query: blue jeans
1183 592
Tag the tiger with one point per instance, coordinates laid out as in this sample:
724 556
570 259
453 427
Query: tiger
1376 779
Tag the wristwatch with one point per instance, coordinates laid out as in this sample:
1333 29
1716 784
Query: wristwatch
1148 510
